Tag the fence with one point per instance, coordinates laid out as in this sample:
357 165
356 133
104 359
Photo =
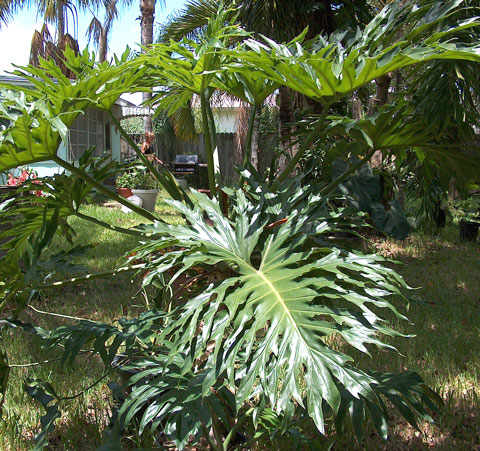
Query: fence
229 154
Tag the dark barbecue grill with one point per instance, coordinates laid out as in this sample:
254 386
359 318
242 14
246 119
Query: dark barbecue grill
187 166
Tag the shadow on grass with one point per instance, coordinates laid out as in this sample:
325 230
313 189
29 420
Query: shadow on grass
456 428
445 350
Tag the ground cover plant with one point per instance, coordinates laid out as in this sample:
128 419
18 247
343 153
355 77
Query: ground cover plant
443 351
253 311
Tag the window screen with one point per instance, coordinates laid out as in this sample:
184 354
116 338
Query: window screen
87 130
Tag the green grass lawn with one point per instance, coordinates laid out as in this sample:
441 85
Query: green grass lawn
445 351
446 348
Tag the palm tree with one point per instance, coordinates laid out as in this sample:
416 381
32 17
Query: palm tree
281 21
98 31
147 9
278 20
54 12
43 46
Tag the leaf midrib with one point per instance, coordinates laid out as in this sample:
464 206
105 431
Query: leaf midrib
283 303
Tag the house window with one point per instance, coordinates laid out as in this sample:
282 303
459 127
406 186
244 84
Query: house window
87 130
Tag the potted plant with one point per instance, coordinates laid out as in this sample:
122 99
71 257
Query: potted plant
5 187
10 182
145 186
124 184
469 213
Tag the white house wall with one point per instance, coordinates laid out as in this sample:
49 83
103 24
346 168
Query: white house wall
50 168
225 119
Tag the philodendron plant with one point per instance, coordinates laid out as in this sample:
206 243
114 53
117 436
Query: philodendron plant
255 308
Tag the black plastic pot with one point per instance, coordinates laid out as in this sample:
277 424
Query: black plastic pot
468 230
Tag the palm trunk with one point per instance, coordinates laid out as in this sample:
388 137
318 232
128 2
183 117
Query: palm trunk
285 129
381 95
256 136
357 109
147 9
209 146
102 47
381 98
60 22
251 141
242 122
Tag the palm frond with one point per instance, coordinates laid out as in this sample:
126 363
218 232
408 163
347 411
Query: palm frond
184 124
42 46
94 30
190 21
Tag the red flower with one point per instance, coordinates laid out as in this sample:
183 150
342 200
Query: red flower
26 174
11 180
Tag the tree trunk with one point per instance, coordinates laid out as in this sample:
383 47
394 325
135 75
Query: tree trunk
60 21
357 110
102 46
285 128
452 190
241 133
381 98
255 137
147 9
60 44
381 95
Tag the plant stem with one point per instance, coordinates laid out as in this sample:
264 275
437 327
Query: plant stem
248 142
103 189
213 138
249 442
133 232
213 128
127 137
74 318
28 365
97 275
69 398
165 178
235 428
215 428
148 164
303 148
206 434
208 146
331 186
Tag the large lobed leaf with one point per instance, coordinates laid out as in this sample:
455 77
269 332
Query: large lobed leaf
363 192
164 397
39 113
328 69
61 195
272 320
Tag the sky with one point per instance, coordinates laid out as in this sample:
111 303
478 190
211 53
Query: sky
16 36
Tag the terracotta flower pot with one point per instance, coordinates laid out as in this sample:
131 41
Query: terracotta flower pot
124 192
